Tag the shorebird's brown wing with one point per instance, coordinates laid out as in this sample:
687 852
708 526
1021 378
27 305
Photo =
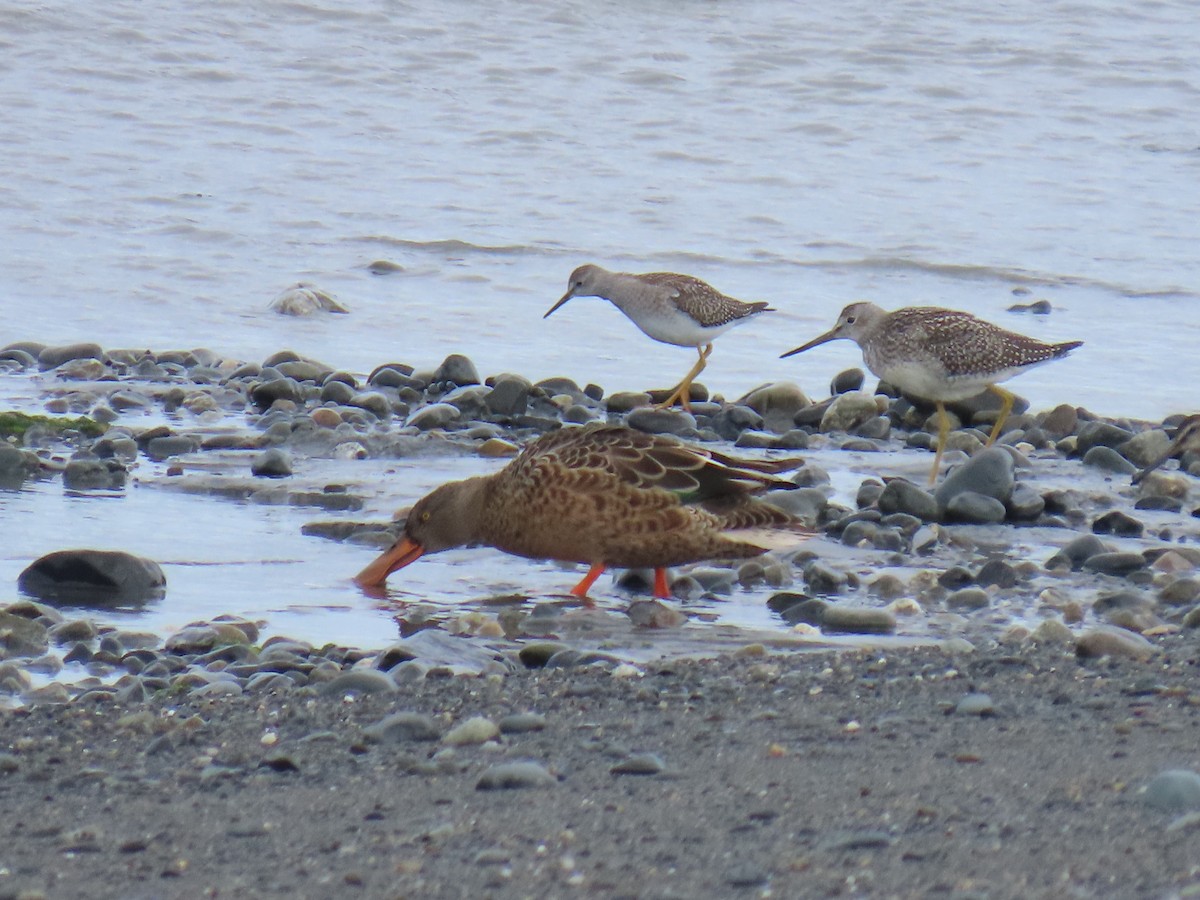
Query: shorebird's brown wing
702 300
960 340
648 462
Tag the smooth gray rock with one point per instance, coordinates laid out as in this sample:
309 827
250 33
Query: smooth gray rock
53 357
1108 640
975 508
1107 459
273 463
1118 563
15 466
662 421
515 775
94 474
1100 434
161 448
265 393
848 411
20 636
509 396
1173 791
437 415
858 620
93 578
403 726
989 472
846 381
977 704
457 369
969 598
1118 523
902 496
1077 551
359 681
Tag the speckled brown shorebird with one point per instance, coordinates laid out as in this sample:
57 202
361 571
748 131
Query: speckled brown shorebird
1187 440
674 309
605 496
940 355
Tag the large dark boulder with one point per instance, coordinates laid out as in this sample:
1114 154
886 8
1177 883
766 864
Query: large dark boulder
99 578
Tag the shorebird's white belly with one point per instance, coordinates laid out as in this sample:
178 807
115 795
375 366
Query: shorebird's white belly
674 327
920 381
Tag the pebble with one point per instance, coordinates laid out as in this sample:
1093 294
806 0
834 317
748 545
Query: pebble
1108 460
475 730
974 508
655 614
1106 640
403 726
1173 791
515 775
969 598
273 463
902 496
662 421
359 681
1116 563
977 704
640 764
989 472
522 723
53 357
858 620
1118 523
848 411
437 415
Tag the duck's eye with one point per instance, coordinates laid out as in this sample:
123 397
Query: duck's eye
850 320
425 516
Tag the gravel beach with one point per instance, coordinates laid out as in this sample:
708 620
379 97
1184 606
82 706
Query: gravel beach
987 689
913 773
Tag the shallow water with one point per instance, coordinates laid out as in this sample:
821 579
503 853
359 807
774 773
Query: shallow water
171 169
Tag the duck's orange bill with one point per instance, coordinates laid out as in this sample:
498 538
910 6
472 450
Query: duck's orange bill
397 556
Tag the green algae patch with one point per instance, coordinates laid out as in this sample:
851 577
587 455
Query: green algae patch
16 424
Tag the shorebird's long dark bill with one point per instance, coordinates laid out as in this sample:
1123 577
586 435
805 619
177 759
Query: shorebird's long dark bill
399 555
817 341
565 297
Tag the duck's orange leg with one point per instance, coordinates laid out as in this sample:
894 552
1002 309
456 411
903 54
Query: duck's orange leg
662 590
581 589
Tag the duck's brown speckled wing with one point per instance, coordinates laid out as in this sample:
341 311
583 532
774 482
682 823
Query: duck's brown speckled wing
607 494
645 461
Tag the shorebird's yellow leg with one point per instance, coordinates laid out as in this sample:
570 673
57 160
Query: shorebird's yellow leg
943 433
1007 399
662 590
682 394
580 590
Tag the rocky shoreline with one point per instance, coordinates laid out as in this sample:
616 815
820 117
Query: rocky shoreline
1034 565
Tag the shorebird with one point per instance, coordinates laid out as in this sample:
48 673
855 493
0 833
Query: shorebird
674 309
1187 439
602 495
940 355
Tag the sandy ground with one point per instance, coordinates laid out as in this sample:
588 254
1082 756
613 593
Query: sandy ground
781 775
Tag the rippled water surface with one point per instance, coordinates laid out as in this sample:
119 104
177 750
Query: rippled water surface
170 167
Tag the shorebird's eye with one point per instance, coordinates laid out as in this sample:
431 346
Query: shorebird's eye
425 516
849 320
